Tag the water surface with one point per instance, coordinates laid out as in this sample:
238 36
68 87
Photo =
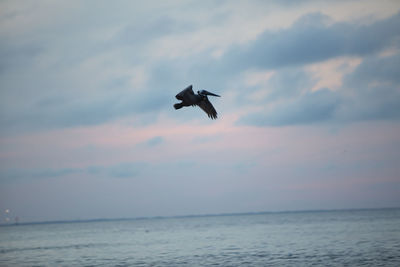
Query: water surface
318 238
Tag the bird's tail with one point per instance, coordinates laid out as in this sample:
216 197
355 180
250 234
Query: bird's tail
178 105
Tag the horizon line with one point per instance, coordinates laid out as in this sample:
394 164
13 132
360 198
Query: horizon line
189 216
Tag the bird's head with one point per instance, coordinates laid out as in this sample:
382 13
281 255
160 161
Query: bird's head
206 93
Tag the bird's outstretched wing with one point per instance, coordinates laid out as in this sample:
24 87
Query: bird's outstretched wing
186 94
208 108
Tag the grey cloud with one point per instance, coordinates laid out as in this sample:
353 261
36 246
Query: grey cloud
288 83
53 112
309 108
310 39
51 95
313 38
375 69
16 55
370 92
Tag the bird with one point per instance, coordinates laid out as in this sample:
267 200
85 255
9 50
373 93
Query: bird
189 98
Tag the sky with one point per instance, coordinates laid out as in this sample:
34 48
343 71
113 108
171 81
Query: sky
309 113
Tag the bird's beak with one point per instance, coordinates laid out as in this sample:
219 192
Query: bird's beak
209 93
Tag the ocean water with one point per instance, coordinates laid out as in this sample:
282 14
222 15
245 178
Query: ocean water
318 238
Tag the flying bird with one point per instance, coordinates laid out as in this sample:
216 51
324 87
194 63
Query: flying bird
189 98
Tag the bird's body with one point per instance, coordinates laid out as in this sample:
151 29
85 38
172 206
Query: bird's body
189 98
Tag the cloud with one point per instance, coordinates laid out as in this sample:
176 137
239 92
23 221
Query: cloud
313 39
311 107
14 56
375 70
370 92
86 77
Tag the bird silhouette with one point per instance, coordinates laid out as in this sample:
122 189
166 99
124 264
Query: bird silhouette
189 98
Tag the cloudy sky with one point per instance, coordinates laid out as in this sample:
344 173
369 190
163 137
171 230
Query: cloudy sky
309 116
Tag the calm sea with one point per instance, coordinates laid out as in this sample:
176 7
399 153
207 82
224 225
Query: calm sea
318 238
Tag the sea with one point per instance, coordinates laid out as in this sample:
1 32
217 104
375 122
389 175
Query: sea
302 238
